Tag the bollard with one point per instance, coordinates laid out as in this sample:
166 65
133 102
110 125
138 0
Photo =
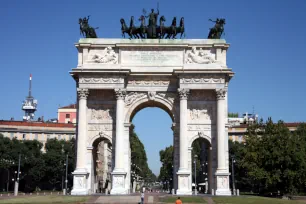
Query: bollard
1 195
44 193
24 194
237 192
57 193
37 193
212 192
30 194
8 194
51 193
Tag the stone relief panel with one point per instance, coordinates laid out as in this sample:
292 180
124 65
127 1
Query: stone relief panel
101 114
201 113
105 56
199 56
100 127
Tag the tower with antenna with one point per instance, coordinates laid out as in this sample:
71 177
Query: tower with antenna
29 105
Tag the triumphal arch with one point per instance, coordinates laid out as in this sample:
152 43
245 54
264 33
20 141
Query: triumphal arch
115 78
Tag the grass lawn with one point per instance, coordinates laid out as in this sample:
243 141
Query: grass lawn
183 199
47 199
252 200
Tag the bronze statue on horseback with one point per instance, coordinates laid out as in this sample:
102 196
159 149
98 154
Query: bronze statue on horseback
217 31
86 30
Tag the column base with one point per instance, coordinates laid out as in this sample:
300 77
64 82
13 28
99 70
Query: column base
118 183
80 182
184 185
222 183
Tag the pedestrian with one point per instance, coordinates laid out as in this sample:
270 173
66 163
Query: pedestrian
178 201
142 198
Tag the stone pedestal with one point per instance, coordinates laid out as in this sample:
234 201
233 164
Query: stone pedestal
80 182
183 183
118 183
222 184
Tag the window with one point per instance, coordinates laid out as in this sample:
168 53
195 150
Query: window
23 136
67 115
36 136
59 137
12 135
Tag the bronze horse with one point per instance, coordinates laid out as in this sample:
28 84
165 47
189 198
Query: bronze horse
217 31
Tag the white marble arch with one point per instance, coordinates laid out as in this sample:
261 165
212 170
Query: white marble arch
160 73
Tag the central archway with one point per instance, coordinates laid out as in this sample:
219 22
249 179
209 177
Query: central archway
165 104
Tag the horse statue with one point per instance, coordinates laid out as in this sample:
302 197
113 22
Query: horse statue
124 28
171 31
133 30
181 28
162 29
217 31
86 30
143 27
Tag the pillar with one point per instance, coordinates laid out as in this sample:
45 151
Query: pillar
119 173
222 174
184 185
80 174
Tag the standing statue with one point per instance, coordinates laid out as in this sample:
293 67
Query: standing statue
217 31
86 30
152 24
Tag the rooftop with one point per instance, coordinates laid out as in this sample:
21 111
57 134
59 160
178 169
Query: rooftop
36 124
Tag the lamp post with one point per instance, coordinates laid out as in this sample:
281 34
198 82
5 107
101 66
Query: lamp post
17 180
195 174
66 180
233 174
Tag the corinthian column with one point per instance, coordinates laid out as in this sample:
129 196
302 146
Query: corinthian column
120 95
184 184
80 175
119 172
82 122
221 93
183 129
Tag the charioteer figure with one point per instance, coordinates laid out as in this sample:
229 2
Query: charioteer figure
152 23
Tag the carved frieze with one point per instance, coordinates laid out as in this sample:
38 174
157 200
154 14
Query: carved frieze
201 80
199 56
107 56
167 96
149 82
101 80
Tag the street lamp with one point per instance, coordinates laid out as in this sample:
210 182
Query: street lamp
195 174
17 180
66 180
233 174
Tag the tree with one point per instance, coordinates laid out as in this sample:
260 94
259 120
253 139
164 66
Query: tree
139 158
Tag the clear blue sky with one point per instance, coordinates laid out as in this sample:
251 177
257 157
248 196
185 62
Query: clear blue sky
267 53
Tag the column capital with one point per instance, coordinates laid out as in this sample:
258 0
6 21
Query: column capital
82 93
120 94
221 93
183 93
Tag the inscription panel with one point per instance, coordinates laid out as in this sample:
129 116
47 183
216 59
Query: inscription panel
152 57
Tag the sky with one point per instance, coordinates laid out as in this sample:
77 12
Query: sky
267 54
